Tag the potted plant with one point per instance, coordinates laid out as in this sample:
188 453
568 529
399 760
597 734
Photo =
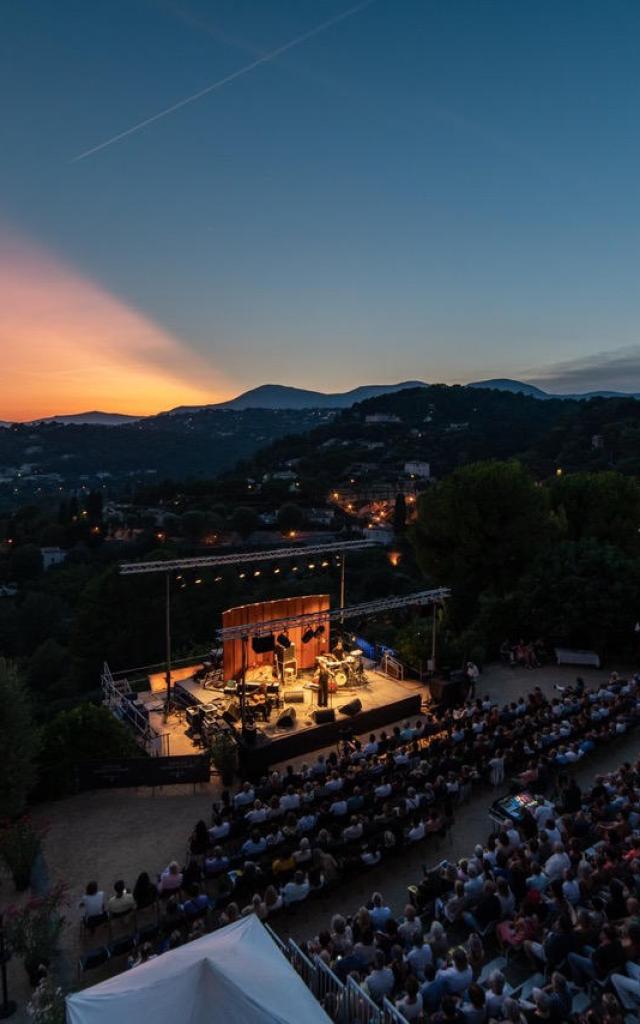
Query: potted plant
224 755
20 843
47 1004
33 930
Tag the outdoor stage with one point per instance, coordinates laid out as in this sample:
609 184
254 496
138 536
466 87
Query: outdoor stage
384 701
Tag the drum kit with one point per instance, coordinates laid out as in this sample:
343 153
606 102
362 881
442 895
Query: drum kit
345 673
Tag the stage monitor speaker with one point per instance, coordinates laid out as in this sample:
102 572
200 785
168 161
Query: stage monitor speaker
294 696
262 644
324 715
352 708
231 713
286 718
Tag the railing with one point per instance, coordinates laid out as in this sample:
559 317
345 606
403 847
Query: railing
116 698
391 666
343 1003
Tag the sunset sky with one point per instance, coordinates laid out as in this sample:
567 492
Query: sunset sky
443 191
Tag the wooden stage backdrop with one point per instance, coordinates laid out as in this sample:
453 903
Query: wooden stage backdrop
266 611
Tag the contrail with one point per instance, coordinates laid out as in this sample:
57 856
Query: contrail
227 79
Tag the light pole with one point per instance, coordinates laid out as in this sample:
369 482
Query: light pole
167 625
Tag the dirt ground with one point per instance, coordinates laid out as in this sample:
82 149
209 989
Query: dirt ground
111 834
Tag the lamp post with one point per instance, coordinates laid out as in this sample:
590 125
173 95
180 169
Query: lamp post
7 1006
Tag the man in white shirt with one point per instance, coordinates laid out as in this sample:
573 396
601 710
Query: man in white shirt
296 890
381 980
557 863
456 978
290 801
257 814
419 956
245 796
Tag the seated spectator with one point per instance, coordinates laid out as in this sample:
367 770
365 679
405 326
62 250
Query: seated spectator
254 845
475 1011
197 903
380 980
216 862
122 902
456 976
410 1004
296 890
145 892
170 879
419 956
379 912
93 905
199 839
495 996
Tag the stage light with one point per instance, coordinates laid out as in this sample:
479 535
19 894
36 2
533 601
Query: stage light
294 568
324 565
307 636
242 575
311 565
179 578
218 579
319 631
257 572
276 571
198 580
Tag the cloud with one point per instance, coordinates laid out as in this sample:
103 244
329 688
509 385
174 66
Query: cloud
617 370
68 345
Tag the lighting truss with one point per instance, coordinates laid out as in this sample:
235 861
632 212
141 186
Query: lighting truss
385 604
215 561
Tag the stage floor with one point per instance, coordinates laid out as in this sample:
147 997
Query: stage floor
381 697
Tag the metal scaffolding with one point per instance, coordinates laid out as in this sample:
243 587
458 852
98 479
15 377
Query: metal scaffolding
241 558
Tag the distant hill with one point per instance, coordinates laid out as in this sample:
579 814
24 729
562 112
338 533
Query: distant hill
94 419
518 387
279 396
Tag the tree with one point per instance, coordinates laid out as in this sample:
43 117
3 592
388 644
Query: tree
605 506
290 517
18 743
26 563
582 593
47 666
193 525
86 733
244 521
478 530
400 514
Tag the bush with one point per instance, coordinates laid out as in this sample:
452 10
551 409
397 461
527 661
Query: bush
86 733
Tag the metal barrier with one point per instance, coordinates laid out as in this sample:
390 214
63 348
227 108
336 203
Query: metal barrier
391 1014
116 696
392 667
302 964
359 1007
330 992
344 1004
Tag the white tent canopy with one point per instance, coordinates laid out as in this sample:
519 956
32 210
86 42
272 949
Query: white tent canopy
236 975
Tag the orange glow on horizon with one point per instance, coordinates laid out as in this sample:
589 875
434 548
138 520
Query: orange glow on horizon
68 346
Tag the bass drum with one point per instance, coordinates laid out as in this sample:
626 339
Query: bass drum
340 677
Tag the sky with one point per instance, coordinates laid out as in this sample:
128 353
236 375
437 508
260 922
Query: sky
444 190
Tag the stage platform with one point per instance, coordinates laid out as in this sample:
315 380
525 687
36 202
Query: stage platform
384 701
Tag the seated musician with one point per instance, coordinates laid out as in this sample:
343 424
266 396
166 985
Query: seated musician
338 650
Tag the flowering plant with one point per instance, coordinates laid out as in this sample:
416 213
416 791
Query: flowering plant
46 1005
33 929
20 842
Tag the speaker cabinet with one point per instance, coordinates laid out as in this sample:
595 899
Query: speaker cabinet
286 718
352 708
324 715
294 696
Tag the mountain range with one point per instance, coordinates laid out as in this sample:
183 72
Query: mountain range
282 397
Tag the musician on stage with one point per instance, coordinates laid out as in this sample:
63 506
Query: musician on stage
339 651
322 678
